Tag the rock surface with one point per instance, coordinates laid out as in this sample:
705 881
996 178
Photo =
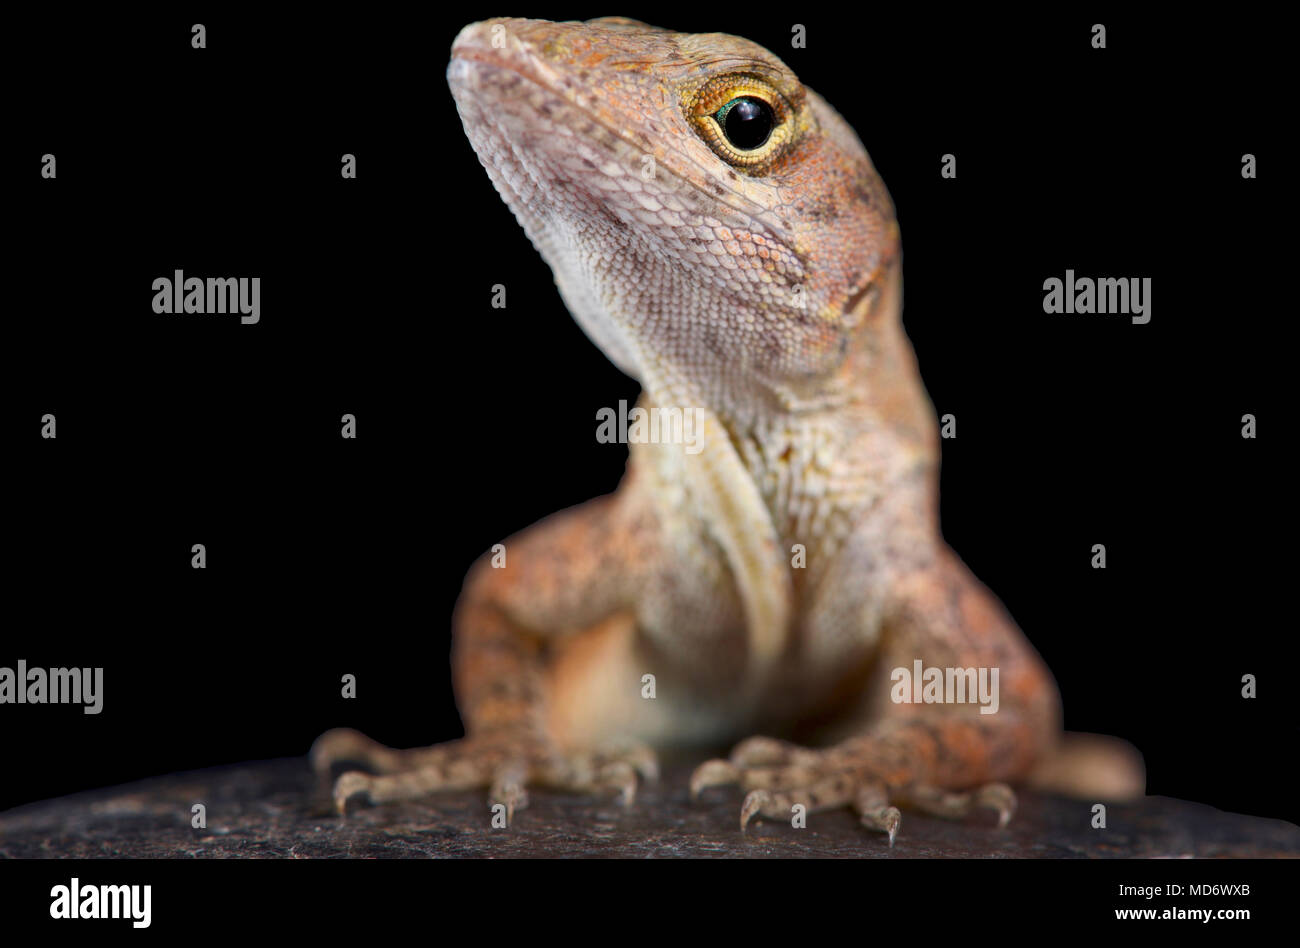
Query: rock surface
277 809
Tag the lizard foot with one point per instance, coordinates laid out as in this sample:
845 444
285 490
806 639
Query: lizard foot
779 775
506 764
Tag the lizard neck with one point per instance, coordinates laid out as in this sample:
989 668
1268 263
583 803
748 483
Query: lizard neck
821 455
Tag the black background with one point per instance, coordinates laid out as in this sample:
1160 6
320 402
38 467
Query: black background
328 557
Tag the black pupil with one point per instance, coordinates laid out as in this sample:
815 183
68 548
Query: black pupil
747 122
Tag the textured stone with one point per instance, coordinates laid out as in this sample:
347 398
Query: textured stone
276 809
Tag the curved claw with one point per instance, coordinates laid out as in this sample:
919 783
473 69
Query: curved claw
754 803
643 760
999 797
508 788
350 785
713 773
620 776
886 821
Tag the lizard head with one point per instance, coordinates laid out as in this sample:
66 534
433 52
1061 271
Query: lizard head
713 225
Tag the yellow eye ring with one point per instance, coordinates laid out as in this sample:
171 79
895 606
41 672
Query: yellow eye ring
744 120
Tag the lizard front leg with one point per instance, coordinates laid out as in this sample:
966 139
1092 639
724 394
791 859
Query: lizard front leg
943 758
567 573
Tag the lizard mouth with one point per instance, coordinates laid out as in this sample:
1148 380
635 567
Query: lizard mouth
547 156
520 126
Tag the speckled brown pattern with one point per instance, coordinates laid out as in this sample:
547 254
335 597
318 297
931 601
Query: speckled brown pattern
778 574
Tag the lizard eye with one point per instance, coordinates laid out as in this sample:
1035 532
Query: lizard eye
744 119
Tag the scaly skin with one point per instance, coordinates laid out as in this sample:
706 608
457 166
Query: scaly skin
760 288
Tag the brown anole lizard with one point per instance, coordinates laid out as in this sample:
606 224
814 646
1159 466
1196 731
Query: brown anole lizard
718 230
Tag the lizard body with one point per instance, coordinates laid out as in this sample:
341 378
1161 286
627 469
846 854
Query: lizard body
718 230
